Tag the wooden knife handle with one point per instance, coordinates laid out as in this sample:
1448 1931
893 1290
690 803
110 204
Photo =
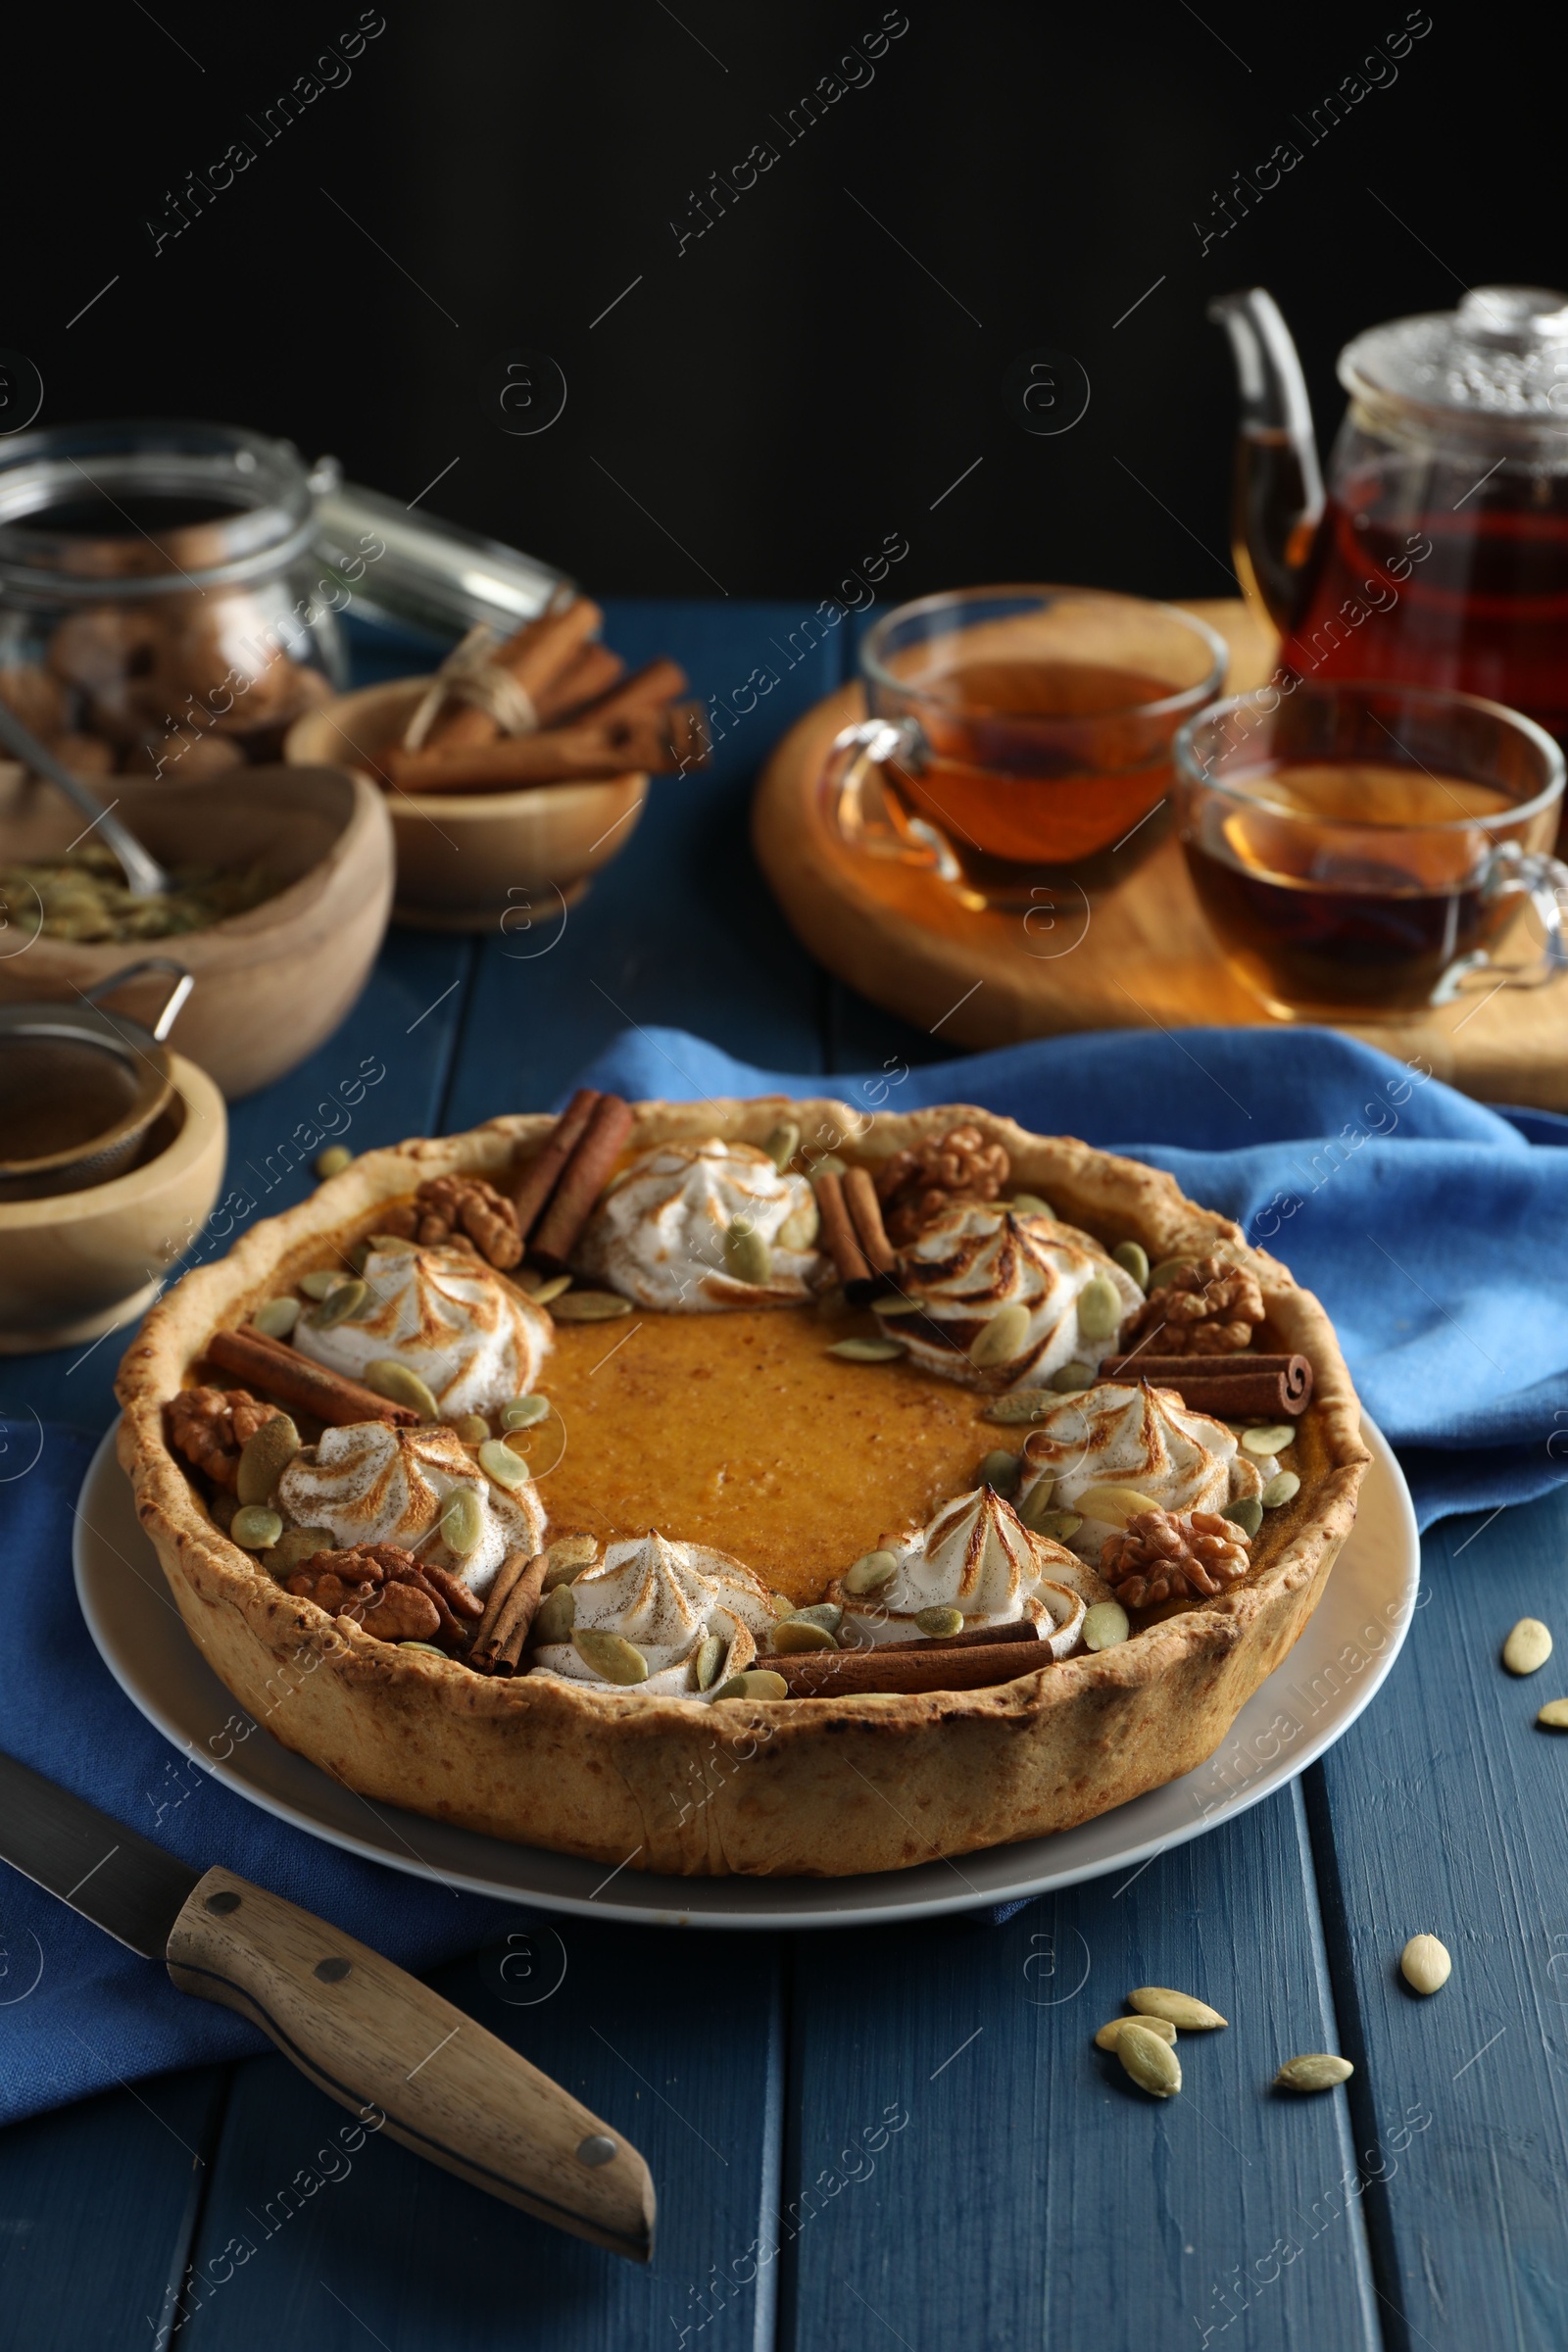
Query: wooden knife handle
370 2036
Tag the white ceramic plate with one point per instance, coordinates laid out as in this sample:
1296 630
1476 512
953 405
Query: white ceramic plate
1350 1641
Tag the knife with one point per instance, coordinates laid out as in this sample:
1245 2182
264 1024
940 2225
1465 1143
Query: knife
363 2030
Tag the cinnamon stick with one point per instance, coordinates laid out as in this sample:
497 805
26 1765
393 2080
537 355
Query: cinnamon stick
592 670
498 1647
865 1214
582 1180
506 1576
925 1666
1234 1387
647 738
647 689
838 1231
294 1379
975 1637
538 1179
536 656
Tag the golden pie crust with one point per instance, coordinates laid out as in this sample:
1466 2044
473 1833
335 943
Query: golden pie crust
820 1788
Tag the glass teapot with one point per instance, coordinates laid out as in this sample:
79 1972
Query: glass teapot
1438 555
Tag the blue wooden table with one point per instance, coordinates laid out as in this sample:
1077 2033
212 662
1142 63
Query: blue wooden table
900 2137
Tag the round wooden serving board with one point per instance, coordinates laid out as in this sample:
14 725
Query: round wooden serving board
1142 957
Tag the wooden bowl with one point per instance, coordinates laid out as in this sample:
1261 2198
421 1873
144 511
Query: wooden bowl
468 859
75 1264
270 984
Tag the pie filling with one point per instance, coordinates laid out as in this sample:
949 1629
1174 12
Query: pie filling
712 1419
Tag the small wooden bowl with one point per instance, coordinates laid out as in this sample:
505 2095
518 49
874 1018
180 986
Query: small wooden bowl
75 1264
466 859
270 984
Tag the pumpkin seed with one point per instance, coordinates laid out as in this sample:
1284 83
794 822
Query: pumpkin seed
1167 1269
1019 1404
1527 1648
1001 1471
581 1550
1272 1439
472 1428
344 1299
295 1545
1425 1964
1030 1204
828 1614
256 1528
792 1635
755 1683
554 1616
866 1352
800 1228
899 1307
1104 1625
1115 1504
323 1279
563 1570
1133 1258
400 1383
938 1622
783 1606
1246 1514
1068 1379
1180 2009
498 1462
710 1658
1109 2033
829 1164
612 1656
747 1256
1152 2063
523 1411
1099 1309
276 1318
264 1458
1280 1488
1554 1716
1057 1527
396 1244
333 1160
1318 2070
870 1572
590 1306
359 1259
998 1340
428 1648
462 1521
1038 1498
544 1294
782 1144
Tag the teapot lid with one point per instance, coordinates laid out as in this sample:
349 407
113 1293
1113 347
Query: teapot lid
1501 356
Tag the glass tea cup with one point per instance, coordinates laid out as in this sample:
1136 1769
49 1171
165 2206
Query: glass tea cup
1019 739
1360 850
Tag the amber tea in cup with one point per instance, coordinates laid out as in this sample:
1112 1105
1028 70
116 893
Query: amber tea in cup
1360 852
1019 738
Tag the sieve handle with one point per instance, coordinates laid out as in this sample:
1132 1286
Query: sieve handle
183 983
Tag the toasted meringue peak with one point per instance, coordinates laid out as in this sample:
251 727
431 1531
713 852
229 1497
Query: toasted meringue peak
658 1236
1118 1433
976 1556
664 1598
372 1484
978 1259
472 1339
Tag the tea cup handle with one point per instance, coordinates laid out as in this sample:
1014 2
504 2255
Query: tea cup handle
862 814
1544 881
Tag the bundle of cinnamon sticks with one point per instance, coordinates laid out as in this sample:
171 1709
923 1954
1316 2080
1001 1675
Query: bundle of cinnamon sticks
549 705
555 1192
1238 1387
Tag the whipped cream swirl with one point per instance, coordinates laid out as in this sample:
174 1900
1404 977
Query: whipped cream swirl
1125 1435
976 1556
978 1259
473 1341
370 1484
666 1599
658 1236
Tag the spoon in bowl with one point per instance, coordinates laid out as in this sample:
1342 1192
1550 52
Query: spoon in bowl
145 878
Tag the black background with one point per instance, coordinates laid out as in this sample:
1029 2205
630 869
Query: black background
765 406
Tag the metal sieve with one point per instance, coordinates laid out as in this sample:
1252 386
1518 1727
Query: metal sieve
80 1087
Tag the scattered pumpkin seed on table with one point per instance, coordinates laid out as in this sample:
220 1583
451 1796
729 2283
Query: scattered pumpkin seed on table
1180 2009
1527 1646
1152 2063
1109 2034
1554 1716
1425 1964
1316 2070
333 1160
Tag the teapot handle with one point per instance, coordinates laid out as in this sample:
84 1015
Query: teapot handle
1277 499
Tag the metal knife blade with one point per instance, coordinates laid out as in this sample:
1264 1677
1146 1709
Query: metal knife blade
121 1882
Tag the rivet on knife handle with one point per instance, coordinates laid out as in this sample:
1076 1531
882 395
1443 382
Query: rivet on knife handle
371 2036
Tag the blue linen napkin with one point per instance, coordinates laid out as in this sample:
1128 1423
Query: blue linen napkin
77 2011
1431 1227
